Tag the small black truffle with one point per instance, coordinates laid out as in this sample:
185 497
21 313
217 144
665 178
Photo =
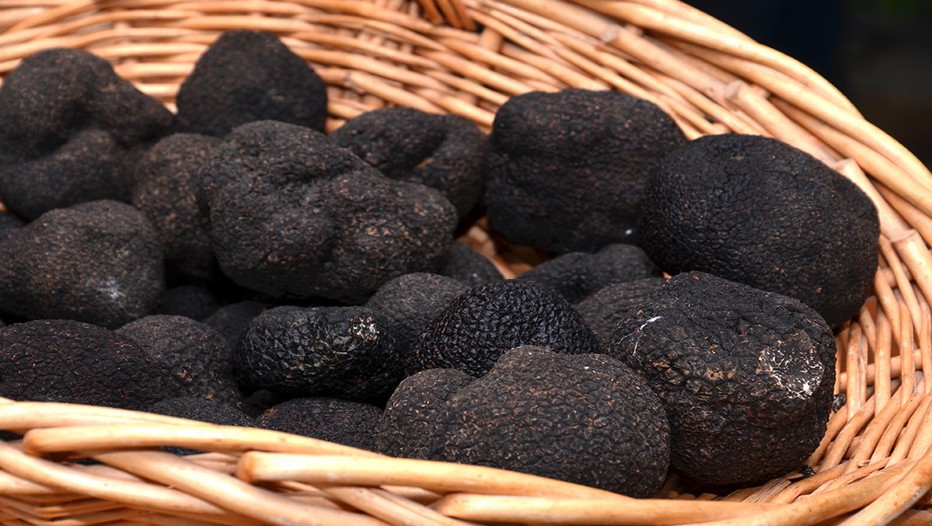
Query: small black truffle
193 301
232 320
468 266
72 132
332 419
587 419
603 310
293 215
440 151
98 262
247 76
75 362
568 169
746 376
473 331
576 275
346 352
758 211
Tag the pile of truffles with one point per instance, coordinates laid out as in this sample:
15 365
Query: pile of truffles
233 263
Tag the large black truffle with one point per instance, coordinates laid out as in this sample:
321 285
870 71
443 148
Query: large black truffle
168 193
576 275
75 362
588 419
293 215
332 419
72 132
98 262
755 210
603 310
746 376
475 329
247 76
346 352
465 264
568 169
440 151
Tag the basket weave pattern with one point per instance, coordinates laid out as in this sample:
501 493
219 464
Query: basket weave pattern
874 465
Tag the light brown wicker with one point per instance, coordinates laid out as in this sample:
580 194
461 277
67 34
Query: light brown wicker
874 465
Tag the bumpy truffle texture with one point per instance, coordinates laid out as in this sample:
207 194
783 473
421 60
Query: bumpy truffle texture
755 210
588 419
468 266
293 215
409 303
576 275
746 376
98 262
473 331
440 151
193 301
76 362
198 356
247 76
332 419
232 320
605 309
168 193
72 132
346 352
568 169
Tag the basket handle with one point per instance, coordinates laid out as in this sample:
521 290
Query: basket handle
451 12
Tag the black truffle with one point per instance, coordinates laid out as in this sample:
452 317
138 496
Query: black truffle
212 412
76 362
98 262
197 355
72 132
567 170
168 193
468 266
746 376
440 151
478 326
576 275
603 310
232 320
193 301
346 352
8 223
755 210
332 419
293 215
247 76
588 419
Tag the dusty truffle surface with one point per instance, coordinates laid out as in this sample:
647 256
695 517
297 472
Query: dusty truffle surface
332 419
746 376
758 211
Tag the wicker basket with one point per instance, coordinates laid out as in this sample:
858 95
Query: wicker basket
874 465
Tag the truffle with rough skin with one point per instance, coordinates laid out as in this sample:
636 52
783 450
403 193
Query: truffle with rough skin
75 362
248 76
746 376
587 419
332 419
576 275
193 301
168 193
72 132
473 331
346 352
98 262
232 320
293 215
468 266
761 212
8 223
603 310
440 151
567 170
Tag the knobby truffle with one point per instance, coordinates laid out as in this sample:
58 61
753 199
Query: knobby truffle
332 419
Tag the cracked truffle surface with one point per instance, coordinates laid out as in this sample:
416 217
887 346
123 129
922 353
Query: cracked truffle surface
293 215
332 419
72 132
473 331
98 262
567 170
746 376
757 211
247 76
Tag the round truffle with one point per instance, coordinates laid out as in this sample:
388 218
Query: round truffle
98 262
332 419
468 266
247 76
746 376
72 132
760 212
567 170
603 310
473 331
